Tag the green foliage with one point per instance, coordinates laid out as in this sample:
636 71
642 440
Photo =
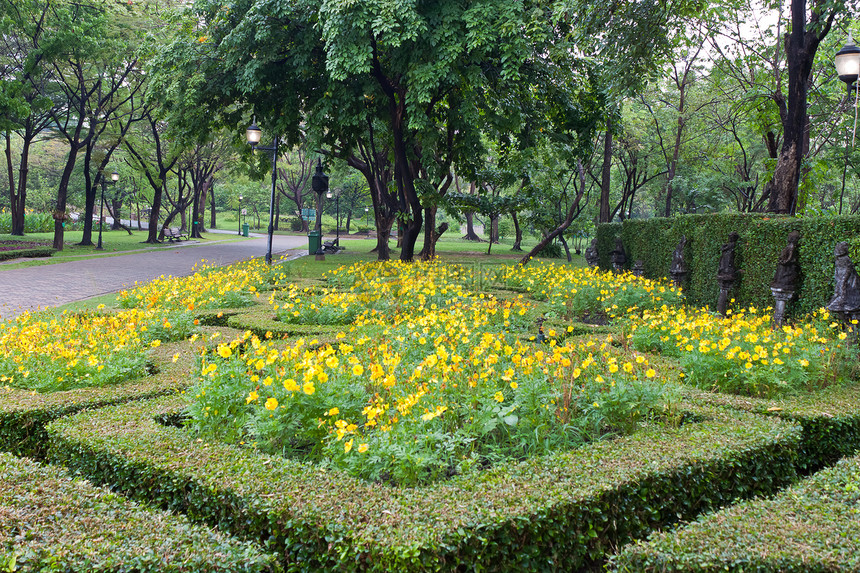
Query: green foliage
811 526
29 253
54 522
563 508
762 238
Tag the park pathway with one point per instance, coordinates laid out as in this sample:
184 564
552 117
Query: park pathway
62 283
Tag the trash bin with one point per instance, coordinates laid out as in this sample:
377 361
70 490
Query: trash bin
244 229
314 242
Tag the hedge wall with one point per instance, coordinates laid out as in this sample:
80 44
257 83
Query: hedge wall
52 522
559 511
813 526
830 419
761 240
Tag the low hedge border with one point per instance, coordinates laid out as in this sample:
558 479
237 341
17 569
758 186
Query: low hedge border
26 253
50 521
830 419
812 526
24 413
565 510
260 320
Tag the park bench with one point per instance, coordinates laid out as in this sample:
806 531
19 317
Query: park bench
331 247
173 233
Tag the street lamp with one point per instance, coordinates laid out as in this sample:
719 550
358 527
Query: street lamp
254 134
337 211
847 61
319 184
114 177
367 219
239 215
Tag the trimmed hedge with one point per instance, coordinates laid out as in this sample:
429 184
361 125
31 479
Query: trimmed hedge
813 526
559 511
52 522
830 419
21 253
24 414
260 319
762 238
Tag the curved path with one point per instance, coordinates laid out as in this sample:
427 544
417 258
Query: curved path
61 283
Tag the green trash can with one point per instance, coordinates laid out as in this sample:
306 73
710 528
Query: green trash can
244 229
314 242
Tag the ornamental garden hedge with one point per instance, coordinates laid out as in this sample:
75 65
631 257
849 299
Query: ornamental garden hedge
50 521
762 238
556 511
812 526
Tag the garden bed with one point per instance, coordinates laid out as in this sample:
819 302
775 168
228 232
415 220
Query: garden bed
564 510
50 521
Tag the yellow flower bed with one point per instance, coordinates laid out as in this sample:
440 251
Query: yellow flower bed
743 353
46 351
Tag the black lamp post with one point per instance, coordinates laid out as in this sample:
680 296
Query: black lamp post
253 135
114 177
239 215
319 184
337 211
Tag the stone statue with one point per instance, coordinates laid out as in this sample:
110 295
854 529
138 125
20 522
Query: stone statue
619 257
788 267
592 257
786 277
678 270
846 285
727 273
639 268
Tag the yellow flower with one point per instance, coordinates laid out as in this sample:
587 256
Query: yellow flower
251 397
347 446
362 448
514 385
499 397
650 373
271 404
308 388
333 412
224 351
357 370
155 343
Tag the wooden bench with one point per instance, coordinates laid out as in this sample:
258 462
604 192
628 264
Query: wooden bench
174 233
331 247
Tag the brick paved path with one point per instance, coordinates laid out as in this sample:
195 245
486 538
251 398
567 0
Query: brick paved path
61 283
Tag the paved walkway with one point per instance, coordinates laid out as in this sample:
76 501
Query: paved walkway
62 283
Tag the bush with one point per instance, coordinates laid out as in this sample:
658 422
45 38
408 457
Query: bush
27 253
553 250
762 238
563 508
506 229
812 526
54 522
296 225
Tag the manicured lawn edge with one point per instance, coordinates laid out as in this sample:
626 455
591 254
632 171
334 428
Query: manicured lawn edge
830 419
51 521
812 526
560 511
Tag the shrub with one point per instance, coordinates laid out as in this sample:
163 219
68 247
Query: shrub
296 225
563 508
812 526
762 238
54 522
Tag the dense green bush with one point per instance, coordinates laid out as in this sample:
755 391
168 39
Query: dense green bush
762 238
52 522
568 508
813 526
28 253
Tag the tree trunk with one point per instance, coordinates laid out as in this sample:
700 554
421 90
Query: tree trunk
429 229
89 200
154 213
571 214
212 222
429 252
606 174
277 212
518 232
494 229
348 221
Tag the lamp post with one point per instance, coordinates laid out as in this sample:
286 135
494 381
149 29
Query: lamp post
337 211
367 219
239 215
253 134
847 62
319 184
114 177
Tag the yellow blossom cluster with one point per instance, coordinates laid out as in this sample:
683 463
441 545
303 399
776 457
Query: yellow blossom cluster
743 353
47 351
